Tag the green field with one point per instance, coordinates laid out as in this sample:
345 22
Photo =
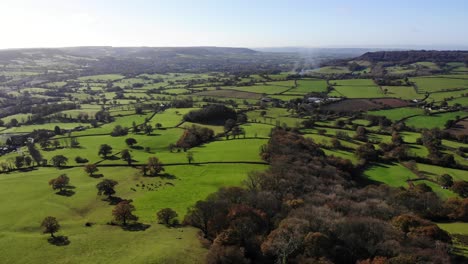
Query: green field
22 242
397 114
394 175
432 121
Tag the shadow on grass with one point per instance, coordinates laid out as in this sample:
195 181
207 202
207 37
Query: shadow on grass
97 176
59 241
66 193
113 200
168 176
136 147
135 227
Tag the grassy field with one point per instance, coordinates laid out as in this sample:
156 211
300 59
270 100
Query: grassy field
309 86
457 229
435 84
435 120
331 70
29 192
356 88
403 92
398 113
394 175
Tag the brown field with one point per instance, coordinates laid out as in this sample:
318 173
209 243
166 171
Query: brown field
231 94
391 102
460 128
354 105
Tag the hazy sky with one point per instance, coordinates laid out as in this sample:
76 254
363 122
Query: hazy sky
236 23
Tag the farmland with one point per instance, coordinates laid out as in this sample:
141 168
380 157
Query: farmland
168 148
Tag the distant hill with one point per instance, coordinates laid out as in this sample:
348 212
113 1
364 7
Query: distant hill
134 60
411 56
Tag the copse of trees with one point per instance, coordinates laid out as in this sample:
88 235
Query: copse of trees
211 114
194 136
119 131
306 208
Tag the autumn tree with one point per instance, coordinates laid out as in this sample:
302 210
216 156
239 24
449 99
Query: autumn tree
153 167
106 187
50 225
461 188
123 212
90 169
60 182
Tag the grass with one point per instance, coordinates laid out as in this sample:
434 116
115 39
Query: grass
402 92
332 70
102 77
309 86
394 175
30 199
435 84
457 228
356 92
262 89
433 121
397 114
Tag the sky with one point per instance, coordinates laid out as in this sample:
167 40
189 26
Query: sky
235 23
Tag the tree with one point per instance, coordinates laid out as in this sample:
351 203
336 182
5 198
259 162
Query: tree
229 124
60 182
90 169
59 160
190 157
130 142
50 225
445 180
461 188
105 150
153 167
122 212
57 130
396 138
367 151
14 122
127 156
56 144
35 153
19 161
286 239
167 216
28 161
106 187
148 129
119 131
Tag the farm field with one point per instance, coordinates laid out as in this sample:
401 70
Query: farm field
398 114
435 120
191 140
